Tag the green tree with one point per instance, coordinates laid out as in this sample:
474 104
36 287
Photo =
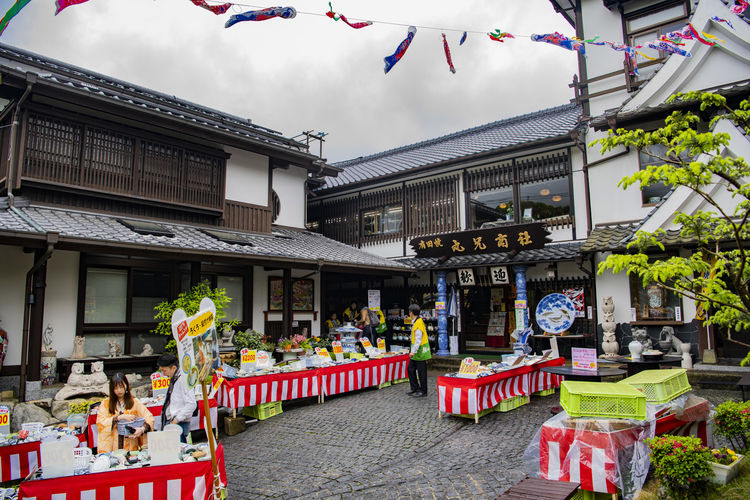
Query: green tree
190 302
717 273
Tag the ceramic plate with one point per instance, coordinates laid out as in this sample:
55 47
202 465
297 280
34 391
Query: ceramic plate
555 313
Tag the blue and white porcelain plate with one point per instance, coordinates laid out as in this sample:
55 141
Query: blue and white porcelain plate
555 313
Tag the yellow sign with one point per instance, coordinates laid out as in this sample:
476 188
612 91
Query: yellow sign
247 356
200 324
218 382
469 367
322 351
381 344
337 348
159 381
365 342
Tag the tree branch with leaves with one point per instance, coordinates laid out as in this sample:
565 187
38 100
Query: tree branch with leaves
718 272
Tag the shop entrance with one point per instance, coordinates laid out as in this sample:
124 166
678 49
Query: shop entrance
487 314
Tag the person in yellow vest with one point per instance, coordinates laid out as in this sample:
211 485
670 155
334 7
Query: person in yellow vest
419 354
333 323
351 312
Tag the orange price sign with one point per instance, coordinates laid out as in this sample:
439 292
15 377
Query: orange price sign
365 342
337 347
159 384
381 344
322 352
248 356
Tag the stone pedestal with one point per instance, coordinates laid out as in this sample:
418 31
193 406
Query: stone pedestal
48 372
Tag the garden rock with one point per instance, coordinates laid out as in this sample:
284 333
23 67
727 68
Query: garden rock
29 412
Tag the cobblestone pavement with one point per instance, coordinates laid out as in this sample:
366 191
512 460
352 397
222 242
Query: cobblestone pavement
384 444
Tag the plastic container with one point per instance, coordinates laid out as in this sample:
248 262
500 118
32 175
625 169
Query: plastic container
660 386
81 459
122 425
32 427
57 457
602 399
545 392
511 403
173 428
263 411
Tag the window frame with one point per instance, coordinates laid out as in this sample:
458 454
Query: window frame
657 28
635 280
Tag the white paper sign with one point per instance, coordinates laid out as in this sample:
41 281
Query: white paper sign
466 277
499 275
373 300
584 359
678 313
338 350
553 345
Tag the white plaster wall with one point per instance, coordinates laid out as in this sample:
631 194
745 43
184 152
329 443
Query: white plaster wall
247 177
13 267
289 185
388 250
609 202
61 300
260 301
616 286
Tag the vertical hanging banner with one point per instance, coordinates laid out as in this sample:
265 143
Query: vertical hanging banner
197 342
373 300
448 55
392 59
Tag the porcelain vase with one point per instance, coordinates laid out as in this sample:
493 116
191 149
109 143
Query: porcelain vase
635 348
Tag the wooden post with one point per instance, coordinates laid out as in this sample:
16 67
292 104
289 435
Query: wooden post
211 443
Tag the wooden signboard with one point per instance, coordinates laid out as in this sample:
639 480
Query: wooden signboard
495 240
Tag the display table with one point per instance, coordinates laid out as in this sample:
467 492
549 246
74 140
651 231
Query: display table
197 422
355 376
570 373
640 365
251 391
183 481
462 396
17 460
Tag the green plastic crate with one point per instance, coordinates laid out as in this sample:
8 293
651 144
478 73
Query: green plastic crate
400 381
546 392
263 410
384 384
602 399
471 415
660 386
511 403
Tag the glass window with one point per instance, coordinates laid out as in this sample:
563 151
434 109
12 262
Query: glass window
657 18
491 206
149 289
157 342
233 287
652 303
654 193
106 295
545 199
385 220
98 344
646 27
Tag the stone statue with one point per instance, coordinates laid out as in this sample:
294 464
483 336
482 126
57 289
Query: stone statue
641 335
78 352
114 349
81 383
668 341
609 341
147 350
47 337
226 336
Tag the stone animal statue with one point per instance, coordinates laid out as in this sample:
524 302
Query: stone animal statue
80 383
97 376
609 341
76 376
147 350
667 336
114 349
641 335
78 352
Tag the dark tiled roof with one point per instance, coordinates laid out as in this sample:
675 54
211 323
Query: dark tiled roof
550 253
617 237
546 124
86 228
124 93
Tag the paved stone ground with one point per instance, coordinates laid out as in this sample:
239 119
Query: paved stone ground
385 444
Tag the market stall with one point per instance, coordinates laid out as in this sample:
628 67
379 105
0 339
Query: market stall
250 391
18 460
355 376
472 396
197 422
191 480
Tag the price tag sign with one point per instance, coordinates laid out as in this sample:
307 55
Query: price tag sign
159 384
469 368
338 350
261 358
381 344
322 352
5 419
584 359
247 359
367 345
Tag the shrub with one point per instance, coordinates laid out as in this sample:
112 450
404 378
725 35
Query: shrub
681 465
79 407
732 420
252 339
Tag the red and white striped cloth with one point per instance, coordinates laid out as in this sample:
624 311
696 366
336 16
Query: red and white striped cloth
362 374
583 456
197 422
251 391
16 461
472 396
184 481
541 381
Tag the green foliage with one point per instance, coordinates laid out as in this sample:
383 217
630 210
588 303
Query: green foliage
80 407
252 339
681 465
717 274
723 456
321 342
190 302
732 420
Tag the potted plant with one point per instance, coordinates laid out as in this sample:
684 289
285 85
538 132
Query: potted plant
725 464
78 412
732 420
681 465
253 340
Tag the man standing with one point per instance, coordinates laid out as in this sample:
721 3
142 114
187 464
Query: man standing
420 353
179 403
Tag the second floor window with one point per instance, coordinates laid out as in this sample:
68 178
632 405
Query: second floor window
385 220
491 206
544 200
646 25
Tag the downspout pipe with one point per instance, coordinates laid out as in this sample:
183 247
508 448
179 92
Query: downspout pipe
28 300
10 180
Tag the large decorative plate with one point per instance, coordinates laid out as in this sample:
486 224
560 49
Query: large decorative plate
555 313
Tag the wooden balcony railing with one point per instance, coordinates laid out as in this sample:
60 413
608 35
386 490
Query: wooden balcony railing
246 217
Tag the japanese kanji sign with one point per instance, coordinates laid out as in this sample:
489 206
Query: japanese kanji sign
499 275
499 239
466 277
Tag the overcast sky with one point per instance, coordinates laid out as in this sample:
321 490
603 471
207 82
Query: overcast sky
313 73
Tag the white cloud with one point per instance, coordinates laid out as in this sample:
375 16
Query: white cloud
311 73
